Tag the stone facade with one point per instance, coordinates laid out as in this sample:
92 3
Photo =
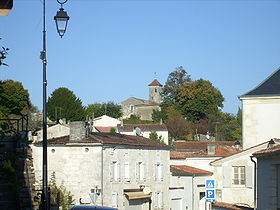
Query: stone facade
97 171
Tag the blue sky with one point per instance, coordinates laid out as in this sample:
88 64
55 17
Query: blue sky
112 49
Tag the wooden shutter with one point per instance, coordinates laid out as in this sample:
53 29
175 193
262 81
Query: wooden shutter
126 172
137 171
227 176
111 172
119 172
144 171
161 172
248 176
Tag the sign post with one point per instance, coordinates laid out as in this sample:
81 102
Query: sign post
210 190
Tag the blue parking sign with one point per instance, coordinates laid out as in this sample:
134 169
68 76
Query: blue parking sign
210 194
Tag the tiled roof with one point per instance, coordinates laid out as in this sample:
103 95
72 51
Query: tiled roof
269 87
230 206
103 129
221 151
183 170
155 83
269 151
110 138
199 145
143 127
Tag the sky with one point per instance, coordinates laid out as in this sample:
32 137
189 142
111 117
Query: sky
113 49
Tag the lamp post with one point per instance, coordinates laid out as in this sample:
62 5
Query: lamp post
45 193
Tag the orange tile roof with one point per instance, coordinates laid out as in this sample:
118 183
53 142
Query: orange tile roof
183 170
268 151
199 145
155 83
221 151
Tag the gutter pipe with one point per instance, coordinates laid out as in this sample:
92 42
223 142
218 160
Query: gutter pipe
255 182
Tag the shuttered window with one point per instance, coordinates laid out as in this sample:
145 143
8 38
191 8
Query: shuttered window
127 171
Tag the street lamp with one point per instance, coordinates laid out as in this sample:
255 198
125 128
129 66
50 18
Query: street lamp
61 19
45 192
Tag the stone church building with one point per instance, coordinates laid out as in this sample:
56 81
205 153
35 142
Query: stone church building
143 108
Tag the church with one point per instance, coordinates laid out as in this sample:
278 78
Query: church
143 108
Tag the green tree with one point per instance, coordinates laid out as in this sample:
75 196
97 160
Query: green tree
155 137
175 80
158 115
14 99
110 109
63 103
199 99
59 194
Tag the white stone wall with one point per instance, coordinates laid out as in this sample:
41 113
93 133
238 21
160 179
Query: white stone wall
261 120
54 132
77 167
183 196
80 169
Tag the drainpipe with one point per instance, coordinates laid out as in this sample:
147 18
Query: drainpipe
102 177
255 182
192 192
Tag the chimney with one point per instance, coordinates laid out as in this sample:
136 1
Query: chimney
211 149
77 130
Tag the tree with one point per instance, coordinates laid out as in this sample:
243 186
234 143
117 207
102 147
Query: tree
3 55
110 109
175 80
63 103
155 137
199 99
14 99
177 127
158 115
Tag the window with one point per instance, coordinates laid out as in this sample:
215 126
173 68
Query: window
158 200
131 107
155 90
141 171
239 175
158 172
115 171
126 171
114 199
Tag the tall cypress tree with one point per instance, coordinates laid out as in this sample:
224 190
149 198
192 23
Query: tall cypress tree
63 103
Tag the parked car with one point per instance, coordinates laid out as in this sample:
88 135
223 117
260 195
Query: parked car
92 208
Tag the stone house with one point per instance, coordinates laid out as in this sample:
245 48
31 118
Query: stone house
234 176
268 178
187 187
144 130
110 169
190 167
143 108
261 112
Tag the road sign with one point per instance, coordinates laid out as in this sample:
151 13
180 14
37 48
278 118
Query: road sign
210 190
210 184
